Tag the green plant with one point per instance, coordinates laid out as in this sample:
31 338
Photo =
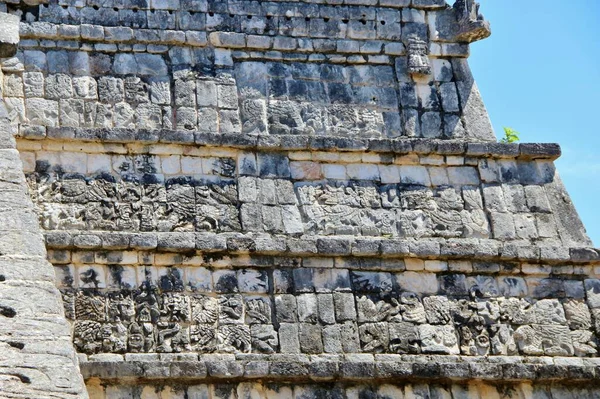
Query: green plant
510 136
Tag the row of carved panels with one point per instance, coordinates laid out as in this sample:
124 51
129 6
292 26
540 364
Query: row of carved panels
474 390
278 206
147 321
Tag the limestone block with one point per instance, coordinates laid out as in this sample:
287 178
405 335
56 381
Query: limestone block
42 112
15 108
85 87
414 175
418 282
110 89
58 87
345 309
13 85
34 84
438 339
208 120
9 34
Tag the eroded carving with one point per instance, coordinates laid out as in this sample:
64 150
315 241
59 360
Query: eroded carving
551 340
418 59
141 338
264 338
205 310
374 337
373 310
438 339
234 338
404 338
472 25
172 337
203 338
412 308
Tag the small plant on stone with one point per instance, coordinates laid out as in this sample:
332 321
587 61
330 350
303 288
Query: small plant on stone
510 136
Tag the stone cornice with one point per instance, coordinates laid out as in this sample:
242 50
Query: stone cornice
352 367
324 246
524 151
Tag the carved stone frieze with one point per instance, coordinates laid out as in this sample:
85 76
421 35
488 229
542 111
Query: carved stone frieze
265 311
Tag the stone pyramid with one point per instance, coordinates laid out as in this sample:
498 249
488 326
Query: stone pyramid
276 199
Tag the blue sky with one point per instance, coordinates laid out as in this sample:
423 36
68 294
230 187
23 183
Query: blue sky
539 73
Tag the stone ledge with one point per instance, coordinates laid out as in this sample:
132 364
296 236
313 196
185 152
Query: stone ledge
311 246
303 368
528 151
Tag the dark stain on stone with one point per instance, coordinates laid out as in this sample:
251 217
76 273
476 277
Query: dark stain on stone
42 166
116 273
227 283
7 312
24 379
17 345
172 281
90 277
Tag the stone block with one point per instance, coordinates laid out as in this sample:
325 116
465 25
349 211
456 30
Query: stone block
9 35
345 309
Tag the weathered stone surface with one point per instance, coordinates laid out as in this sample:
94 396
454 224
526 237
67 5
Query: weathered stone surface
304 194
30 307
9 35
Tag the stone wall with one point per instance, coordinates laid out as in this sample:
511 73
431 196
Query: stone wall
326 391
291 199
37 359
245 67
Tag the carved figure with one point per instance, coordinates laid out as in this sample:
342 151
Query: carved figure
438 339
418 60
113 337
172 337
502 340
175 307
437 309
205 310
90 306
412 308
147 307
203 338
85 336
231 309
370 311
472 25
404 338
234 338
120 307
264 338
584 343
141 338
374 337
550 340
258 311
578 315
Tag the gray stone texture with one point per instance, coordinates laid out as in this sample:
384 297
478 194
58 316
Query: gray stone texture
300 193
